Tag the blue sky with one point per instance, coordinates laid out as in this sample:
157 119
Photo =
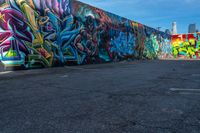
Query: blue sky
154 13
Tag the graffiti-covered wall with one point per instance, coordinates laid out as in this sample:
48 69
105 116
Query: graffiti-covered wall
45 33
186 46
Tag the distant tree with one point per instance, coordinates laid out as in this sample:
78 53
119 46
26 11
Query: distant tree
167 31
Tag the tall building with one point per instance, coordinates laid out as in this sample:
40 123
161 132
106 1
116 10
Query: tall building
192 28
174 28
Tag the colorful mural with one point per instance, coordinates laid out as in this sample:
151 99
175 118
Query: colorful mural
186 46
46 33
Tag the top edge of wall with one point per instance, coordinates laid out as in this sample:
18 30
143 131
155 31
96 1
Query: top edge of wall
120 16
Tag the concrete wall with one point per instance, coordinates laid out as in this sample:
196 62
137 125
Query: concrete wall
45 33
186 46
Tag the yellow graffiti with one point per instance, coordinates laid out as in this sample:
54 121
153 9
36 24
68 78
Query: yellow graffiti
2 17
38 42
31 16
186 48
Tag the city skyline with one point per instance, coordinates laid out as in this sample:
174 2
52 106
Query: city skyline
154 13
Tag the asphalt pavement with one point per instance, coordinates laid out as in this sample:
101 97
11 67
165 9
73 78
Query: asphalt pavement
161 96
